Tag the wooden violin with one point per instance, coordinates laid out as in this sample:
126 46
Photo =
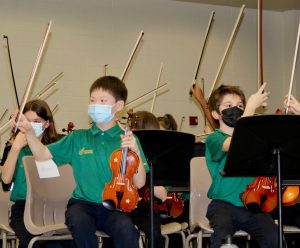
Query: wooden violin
69 127
261 195
121 191
172 207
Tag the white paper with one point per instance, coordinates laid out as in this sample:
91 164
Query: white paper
47 169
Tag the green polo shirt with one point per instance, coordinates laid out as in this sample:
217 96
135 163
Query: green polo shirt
222 188
88 151
20 188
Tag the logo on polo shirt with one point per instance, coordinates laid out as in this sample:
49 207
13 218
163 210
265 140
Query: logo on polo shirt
84 151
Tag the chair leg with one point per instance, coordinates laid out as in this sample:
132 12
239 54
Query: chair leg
199 239
182 238
141 243
166 237
4 238
100 242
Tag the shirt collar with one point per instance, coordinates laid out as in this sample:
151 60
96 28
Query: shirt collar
112 132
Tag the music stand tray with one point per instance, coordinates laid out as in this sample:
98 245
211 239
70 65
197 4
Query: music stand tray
266 145
168 154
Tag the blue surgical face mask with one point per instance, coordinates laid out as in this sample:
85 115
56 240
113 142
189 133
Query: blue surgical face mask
38 128
100 114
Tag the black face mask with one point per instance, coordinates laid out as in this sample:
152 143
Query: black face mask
231 115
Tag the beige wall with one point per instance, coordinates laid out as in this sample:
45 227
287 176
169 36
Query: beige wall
88 34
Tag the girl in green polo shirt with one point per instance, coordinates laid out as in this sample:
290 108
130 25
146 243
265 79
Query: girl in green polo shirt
40 116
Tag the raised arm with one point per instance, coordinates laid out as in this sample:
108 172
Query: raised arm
39 150
256 100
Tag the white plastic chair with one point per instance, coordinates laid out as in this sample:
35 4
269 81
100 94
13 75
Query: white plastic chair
7 234
200 181
46 203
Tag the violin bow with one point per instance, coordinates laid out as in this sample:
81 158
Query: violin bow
293 70
146 94
132 54
260 76
33 74
229 44
48 86
3 115
211 19
181 123
40 95
105 68
55 109
196 91
11 69
157 84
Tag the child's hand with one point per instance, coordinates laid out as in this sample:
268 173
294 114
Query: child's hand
24 125
128 140
256 100
19 142
294 106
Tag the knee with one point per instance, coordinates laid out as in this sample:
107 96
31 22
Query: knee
126 228
78 221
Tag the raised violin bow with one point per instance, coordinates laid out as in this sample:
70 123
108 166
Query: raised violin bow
181 123
3 115
229 44
196 91
157 84
11 69
211 19
48 86
105 68
293 70
40 95
146 94
33 74
55 109
260 75
132 55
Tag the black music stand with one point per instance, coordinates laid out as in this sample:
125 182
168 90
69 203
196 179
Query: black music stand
267 146
168 154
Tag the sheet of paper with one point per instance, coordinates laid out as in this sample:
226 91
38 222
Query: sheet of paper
47 169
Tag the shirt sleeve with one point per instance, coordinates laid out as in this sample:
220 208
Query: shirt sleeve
61 150
214 143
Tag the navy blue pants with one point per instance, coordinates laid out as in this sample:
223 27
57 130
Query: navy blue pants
83 218
226 219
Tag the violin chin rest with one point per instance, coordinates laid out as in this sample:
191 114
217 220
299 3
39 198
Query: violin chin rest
109 204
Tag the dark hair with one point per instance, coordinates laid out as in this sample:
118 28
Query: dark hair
167 122
42 109
144 120
218 94
113 85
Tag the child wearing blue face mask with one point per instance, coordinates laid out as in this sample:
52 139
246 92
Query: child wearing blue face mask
226 212
88 151
41 119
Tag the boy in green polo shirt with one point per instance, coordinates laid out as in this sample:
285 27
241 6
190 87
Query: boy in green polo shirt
226 212
89 151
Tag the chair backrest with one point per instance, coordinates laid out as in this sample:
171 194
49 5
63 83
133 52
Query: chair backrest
200 181
5 205
46 198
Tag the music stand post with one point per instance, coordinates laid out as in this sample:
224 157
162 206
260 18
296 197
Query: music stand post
168 154
267 146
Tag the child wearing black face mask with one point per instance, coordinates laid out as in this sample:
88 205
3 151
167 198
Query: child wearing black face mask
226 212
